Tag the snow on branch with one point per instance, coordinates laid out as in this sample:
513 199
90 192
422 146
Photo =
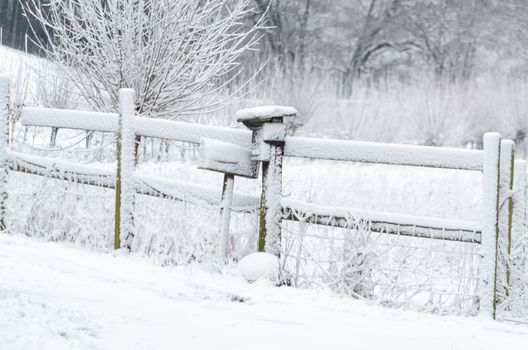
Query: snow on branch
176 55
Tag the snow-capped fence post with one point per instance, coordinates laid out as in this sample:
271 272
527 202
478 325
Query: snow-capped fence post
4 129
125 190
490 226
506 209
269 134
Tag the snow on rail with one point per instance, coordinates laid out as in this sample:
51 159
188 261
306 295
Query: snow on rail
189 132
399 224
146 185
201 195
192 193
85 174
109 122
70 119
384 153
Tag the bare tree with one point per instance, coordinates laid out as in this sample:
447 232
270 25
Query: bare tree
286 29
173 53
446 32
375 35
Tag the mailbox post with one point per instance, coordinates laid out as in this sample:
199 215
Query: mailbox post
229 159
268 139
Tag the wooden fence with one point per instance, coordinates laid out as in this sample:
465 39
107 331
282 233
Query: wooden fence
264 146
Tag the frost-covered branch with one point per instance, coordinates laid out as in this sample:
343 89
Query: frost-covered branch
174 54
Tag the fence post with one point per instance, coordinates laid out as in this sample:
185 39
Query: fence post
519 200
519 221
125 191
506 210
269 133
490 224
225 213
271 208
4 130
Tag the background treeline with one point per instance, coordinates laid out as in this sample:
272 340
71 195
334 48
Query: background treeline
380 39
14 26
371 39
436 72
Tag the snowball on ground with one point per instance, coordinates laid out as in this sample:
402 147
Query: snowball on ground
265 112
259 266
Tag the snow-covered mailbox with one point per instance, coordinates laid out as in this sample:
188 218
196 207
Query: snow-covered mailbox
230 159
267 146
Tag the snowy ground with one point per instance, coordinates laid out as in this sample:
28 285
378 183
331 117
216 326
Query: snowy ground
57 297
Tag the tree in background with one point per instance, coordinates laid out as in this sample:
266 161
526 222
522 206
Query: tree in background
14 26
173 53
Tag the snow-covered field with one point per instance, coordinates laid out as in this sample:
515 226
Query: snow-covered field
57 297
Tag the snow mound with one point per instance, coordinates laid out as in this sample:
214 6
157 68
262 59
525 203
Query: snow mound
259 266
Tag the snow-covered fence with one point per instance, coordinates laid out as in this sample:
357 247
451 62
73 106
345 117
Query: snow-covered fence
495 161
127 182
227 150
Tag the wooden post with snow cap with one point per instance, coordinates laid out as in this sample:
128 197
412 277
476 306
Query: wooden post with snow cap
125 191
4 129
507 164
269 133
490 224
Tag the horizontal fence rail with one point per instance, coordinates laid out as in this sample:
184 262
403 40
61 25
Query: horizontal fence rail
405 225
61 170
149 127
146 185
188 132
301 147
384 153
70 119
398 224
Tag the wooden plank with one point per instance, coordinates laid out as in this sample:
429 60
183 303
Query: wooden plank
384 153
189 132
70 119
